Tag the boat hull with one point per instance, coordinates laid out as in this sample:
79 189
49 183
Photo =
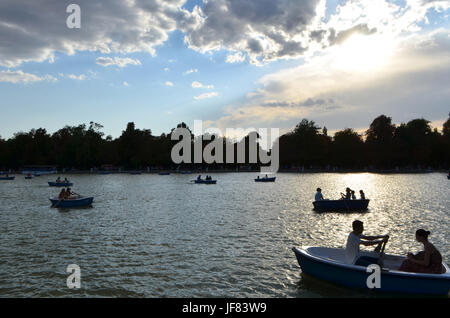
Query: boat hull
341 205
356 276
206 181
75 203
7 178
265 179
60 184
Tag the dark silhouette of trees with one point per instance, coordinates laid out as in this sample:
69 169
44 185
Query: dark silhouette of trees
414 144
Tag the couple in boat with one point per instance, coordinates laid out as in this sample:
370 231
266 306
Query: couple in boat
427 261
60 181
207 178
266 177
67 194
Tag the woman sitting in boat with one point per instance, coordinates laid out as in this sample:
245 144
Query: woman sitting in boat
355 239
65 180
347 195
58 180
69 193
62 194
199 177
353 195
427 261
361 193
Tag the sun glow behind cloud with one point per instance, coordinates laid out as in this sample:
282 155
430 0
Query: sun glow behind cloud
363 53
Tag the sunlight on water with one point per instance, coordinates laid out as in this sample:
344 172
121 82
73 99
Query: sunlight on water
162 236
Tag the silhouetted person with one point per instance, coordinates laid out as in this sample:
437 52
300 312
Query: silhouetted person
319 195
353 195
363 196
427 261
355 239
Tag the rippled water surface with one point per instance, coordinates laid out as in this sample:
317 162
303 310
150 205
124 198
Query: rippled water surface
162 236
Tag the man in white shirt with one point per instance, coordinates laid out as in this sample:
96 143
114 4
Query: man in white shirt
355 239
318 196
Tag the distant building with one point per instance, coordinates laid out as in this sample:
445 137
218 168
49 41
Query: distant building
39 169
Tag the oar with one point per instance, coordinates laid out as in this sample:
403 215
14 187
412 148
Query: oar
380 260
54 205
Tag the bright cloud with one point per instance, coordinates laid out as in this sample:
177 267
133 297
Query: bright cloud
206 95
24 78
117 61
196 84
169 83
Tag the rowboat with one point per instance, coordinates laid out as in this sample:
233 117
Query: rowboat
164 173
206 181
272 179
72 203
329 264
60 184
341 205
7 178
28 177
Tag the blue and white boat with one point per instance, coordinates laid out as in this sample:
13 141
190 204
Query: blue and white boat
206 181
60 184
329 265
341 205
265 179
78 202
7 178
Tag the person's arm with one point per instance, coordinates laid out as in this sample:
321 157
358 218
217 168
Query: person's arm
369 243
425 261
371 238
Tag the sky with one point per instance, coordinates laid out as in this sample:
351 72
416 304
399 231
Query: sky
229 63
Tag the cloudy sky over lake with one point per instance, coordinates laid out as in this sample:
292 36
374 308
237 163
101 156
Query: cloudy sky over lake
231 63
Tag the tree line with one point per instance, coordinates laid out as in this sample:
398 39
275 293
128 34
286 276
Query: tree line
383 145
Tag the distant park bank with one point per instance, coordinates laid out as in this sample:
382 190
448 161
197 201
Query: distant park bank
385 147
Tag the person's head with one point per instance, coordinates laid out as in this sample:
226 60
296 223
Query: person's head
319 189
347 190
353 192
422 235
361 191
358 226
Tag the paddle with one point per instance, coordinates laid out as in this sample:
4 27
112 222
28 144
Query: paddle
380 260
54 205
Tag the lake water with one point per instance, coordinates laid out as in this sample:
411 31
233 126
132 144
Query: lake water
163 236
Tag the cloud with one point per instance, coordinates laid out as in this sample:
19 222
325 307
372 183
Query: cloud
190 71
80 77
265 29
169 83
415 75
117 61
24 78
36 30
196 84
126 84
206 95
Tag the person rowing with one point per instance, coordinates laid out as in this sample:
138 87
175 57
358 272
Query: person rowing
58 180
361 193
62 194
319 196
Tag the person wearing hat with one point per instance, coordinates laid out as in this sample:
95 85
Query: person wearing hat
319 195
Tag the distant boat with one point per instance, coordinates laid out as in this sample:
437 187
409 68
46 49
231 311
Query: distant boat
206 181
71 203
329 264
164 173
28 177
272 179
7 178
60 184
341 205
135 172
186 172
104 172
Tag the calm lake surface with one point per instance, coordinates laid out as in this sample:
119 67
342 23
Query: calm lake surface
163 236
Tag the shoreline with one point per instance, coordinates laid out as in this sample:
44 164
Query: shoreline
204 171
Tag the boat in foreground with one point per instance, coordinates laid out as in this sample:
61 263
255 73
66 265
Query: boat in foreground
272 179
341 205
329 264
7 178
60 184
206 181
72 203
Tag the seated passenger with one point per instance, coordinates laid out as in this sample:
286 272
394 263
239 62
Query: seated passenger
361 193
319 195
62 194
353 195
427 261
